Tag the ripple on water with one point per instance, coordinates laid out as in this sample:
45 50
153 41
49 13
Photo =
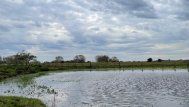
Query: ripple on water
107 89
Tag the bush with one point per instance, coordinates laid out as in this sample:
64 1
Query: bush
44 68
20 70
32 70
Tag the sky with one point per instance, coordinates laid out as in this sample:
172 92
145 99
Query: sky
128 29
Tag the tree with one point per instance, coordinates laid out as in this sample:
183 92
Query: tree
35 62
79 58
1 60
102 58
159 60
21 60
10 59
59 59
114 59
24 58
149 60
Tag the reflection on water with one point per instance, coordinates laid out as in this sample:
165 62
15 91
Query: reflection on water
168 88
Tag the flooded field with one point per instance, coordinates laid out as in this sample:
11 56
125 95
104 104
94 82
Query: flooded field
113 88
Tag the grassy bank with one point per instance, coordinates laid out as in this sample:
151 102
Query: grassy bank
127 65
7 71
19 102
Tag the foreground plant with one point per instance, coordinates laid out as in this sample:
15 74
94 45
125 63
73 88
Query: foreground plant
20 102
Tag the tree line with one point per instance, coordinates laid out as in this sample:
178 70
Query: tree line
25 58
26 63
82 59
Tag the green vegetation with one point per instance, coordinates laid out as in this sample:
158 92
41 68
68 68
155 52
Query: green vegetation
26 63
25 80
126 65
18 64
7 71
20 102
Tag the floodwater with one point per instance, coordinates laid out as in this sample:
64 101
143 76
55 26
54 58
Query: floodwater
113 88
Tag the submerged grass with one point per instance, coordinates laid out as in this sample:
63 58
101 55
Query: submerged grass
26 80
20 102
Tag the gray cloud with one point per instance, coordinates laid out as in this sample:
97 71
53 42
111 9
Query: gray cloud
138 8
127 28
4 28
184 13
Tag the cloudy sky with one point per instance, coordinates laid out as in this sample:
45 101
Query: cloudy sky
128 29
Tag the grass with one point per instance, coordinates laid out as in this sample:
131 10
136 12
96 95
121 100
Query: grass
7 71
127 65
23 63
25 80
11 101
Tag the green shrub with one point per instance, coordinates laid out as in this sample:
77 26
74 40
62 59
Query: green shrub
32 70
20 70
44 68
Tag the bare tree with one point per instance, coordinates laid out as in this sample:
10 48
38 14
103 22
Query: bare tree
11 60
59 59
79 58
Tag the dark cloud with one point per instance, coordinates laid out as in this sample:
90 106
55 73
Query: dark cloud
137 8
183 14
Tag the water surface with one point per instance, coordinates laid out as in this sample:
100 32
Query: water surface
113 88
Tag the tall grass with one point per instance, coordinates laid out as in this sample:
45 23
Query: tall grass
7 71
128 65
19 102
